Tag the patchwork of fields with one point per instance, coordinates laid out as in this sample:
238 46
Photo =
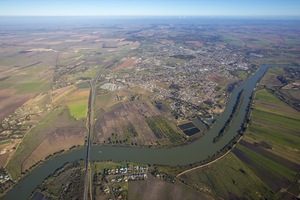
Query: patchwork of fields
265 163
78 103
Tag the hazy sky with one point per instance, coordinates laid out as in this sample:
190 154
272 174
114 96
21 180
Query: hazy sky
150 7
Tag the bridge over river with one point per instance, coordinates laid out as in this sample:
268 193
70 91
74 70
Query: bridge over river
180 155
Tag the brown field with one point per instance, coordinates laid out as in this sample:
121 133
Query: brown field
11 101
58 139
157 189
127 64
162 84
266 106
56 132
78 94
6 151
268 175
218 79
195 43
3 159
116 121
60 93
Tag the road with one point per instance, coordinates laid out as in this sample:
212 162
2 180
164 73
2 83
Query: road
87 185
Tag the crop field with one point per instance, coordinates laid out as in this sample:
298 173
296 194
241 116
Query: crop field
228 178
126 64
154 188
34 79
162 129
274 174
59 94
6 150
129 124
21 78
78 103
271 145
265 163
270 77
58 131
10 101
275 121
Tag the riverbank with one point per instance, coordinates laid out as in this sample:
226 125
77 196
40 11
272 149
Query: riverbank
182 155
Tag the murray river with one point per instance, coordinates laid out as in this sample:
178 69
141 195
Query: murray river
180 155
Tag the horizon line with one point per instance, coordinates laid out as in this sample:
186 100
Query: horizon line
155 16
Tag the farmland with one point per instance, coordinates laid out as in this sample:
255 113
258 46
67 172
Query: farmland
134 123
265 164
78 102
58 131
154 188
229 178
155 86
126 64
274 131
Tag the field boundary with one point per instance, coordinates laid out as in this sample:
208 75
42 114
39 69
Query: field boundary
211 162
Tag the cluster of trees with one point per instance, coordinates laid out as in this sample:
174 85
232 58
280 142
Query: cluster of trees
229 120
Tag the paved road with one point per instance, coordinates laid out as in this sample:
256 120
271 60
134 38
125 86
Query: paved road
92 84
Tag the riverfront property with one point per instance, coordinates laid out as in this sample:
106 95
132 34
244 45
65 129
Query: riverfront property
170 156
168 95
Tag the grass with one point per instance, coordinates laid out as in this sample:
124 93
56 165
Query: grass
228 178
29 143
75 98
56 118
252 175
29 80
274 136
130 130
285 122
261 161
275 122
278 125
4 142
78 110
78 103
161 129
36 87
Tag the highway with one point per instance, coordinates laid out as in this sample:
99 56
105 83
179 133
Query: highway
87 185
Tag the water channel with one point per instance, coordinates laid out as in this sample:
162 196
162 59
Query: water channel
180 155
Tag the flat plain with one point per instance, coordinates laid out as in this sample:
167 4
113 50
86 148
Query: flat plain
151 79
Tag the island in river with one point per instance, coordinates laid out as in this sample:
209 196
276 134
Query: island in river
196 151
122 89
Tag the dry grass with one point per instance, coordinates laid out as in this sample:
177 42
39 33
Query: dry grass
57 139
127 64
154 188
114 123
11 101
62 92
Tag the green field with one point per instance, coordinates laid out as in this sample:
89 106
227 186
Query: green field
29 80
56 118
4 142
29 143
275 121
264 162
257 171
277 125
78 110
228 178
161 129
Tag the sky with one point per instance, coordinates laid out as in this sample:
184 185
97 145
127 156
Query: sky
150 8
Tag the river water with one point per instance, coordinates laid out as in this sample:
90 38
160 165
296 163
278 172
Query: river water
180 155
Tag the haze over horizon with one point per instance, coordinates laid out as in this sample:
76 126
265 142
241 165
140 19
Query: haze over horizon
234 8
